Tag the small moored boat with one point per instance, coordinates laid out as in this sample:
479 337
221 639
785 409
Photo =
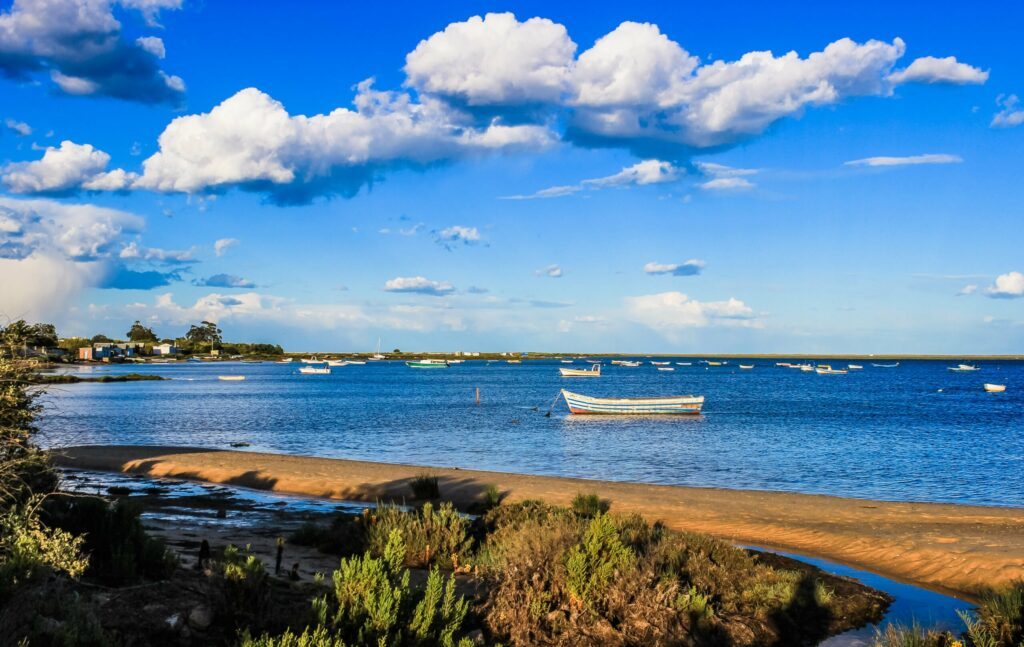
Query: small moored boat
684 363
854 367
746 367
514 361
285 360
666 368
660 363
593 371
885 365
337 362
428 363
583 404
315 370
569 361
995 388
629 364
964 368
826 369
709 363
231 378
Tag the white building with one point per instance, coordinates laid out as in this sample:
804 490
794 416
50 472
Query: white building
165 349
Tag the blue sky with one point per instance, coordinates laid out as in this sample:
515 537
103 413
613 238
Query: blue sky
575 177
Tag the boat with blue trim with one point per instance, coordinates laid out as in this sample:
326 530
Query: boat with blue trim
674 405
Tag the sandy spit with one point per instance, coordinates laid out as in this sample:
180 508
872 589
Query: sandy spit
952 548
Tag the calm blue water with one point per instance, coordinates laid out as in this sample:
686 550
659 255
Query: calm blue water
916 432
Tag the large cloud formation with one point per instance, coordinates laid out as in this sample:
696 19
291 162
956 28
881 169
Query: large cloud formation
497 84
80 45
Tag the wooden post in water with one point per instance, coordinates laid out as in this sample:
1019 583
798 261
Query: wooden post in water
478 396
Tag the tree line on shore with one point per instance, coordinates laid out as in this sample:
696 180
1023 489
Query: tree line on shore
22 339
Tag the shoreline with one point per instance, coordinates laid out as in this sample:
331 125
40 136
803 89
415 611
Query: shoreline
951 548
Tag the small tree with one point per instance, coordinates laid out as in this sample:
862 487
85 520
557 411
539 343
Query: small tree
101 339
140 333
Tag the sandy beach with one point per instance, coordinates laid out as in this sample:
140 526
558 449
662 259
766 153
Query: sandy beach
951 548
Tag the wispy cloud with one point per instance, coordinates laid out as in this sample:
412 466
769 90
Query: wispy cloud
640 174
908 160
553 271
450 237
224 281
418 285
222 245
19 127
1011 115
725 178
691 267
132 251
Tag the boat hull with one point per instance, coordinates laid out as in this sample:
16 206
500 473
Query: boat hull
584 405
579 372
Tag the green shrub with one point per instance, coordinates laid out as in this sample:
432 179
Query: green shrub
999 619
373 602
425 487
914 636
592 564
431 535
492 496
590 505
316 637
28 549
242 588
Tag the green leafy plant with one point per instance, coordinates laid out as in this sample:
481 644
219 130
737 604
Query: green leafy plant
425 487
593 563
590 505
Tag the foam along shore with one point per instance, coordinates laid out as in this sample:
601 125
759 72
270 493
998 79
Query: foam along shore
957 549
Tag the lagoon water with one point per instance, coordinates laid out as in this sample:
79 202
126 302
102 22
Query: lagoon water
915 432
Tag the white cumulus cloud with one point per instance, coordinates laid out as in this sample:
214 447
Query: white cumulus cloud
222 245
929 69
671 311
1007 286
65 169
494 60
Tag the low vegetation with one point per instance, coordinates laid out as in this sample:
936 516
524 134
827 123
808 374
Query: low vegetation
997 622
75 379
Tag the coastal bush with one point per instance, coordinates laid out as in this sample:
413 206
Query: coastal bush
431 535
242 589
373 602
592 564
120 550
590 505
425 487
315 637
29 550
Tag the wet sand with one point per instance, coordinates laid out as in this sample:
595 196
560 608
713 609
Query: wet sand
951 548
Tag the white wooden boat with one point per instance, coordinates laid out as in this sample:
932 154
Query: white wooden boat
684 363
826 369
666 368
964 368
286 360
629 364
783 364
311 360
583 404
660 363
854 367
337 362
231 378
355 362
746 367
995 388
569 361
806 368
593 371
594 361
315 370
710 363
427 363
514 361
885 365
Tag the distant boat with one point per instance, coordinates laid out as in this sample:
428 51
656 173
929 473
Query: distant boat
886 365
783 364
826 369
231 378
285 360
806 368
661 363
194 359
311 360
995 388
684 363
709 363
355 362
315 370
593 371
583 404
337 362
854 367
964 368
376 357
746 367
569 361
594 361
427 363
665 368
514 361
629 364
